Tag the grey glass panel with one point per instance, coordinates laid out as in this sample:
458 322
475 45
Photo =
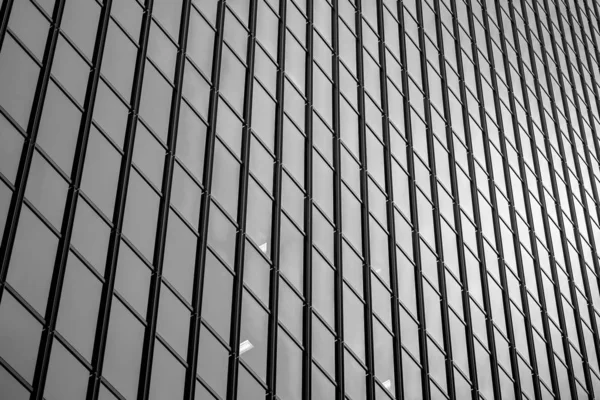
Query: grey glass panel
213 360
180 256
266 28
293 150
19 337
5 196
253 336
90 236
133 279
292 253
216 303
236 36
221 235
30 26
248 387
129 14
168 13
18 77
384 356
201 42
202 393
233 75
173 321
155 105
354 314
11 387
67 379
226 179
79 303
261 165
258 220
32 260
118 61
229 128
80 22
46 190
323 346
167 375
322 388
186 196
70 70
323 288
263 116
355 378
323 184
110 113
289 368
149 155
196 89
290 311
292 199
162 51
10 151
191 141
141 214
257 273
123 350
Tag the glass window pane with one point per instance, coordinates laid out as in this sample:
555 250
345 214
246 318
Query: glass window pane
233 76
141 214
355 378
248 387
133 279
200 42
257 273
155 105
18 78
149 155
289 368
258 219
290 311
32 260
173 321
46 190
253 336
191 141
323 346
79 304
11 387
123 350
213 372
80 22
168 375
323 288
90 236
263 116
70 69
67 378
129 14
225 179
291 253
162 51
20 334
180 256
354 319
196 90
10 151
110 113
217 296
221 236
30 26
118 61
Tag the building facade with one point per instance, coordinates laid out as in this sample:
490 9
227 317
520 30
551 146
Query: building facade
299 199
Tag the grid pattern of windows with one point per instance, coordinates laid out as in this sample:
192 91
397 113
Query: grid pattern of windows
299 199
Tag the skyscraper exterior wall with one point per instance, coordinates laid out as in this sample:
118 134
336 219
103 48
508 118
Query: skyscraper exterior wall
299 199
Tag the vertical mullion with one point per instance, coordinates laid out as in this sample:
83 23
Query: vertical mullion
51 314
413 211
4 16
479 236
509 192
436 208
238 285
337 198
201 246
119 211
364 187
522 171
308 151
557 292
33 125
567 261
276 219
163 216
397 340
456 209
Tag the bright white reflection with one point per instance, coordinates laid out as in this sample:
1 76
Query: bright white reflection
245 346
